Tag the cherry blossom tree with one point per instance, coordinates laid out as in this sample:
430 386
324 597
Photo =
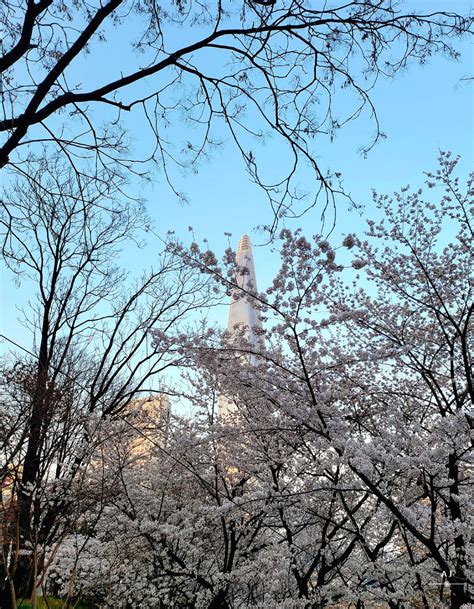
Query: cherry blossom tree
89 353
378 372
341 477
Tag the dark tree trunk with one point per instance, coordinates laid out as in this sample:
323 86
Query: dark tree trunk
219 601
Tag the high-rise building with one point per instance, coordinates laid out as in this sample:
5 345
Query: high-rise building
244 323
151 418
130 439
243 314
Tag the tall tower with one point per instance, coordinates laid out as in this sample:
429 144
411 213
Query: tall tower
244 320
242 313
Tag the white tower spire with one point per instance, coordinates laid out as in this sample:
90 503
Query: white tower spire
244 320
242 313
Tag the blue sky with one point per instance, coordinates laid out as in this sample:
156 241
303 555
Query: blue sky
424 109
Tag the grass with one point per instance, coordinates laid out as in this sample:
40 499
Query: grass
54 603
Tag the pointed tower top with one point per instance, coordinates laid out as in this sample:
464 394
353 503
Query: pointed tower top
244 244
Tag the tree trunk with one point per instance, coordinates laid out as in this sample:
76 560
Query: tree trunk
219 601
459 593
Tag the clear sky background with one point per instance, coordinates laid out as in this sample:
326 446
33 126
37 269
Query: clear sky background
423 110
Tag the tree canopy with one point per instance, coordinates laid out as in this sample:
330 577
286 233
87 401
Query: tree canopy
341 477
243 71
